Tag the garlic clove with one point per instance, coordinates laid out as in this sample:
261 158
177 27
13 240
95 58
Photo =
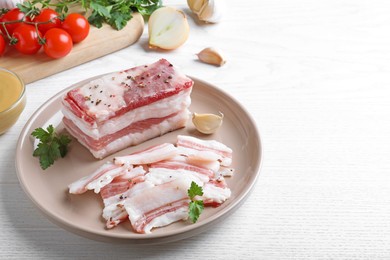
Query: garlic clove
209 11
212 11
196 5
212 56
207 123
168 28
9 4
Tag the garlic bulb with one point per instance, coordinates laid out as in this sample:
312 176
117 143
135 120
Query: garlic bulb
168 28
207 123
196 5
9 4
209 11
212 56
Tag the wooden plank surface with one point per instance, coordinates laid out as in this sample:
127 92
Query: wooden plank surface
99 42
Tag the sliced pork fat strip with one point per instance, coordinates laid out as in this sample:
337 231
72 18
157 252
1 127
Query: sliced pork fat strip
204 150
114 211
150 155
122 183
98 179
111 144
159 205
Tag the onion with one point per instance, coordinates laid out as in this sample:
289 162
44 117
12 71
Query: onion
168 28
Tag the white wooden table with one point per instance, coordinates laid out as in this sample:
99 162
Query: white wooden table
316 77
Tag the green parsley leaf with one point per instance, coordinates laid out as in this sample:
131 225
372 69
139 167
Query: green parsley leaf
146 8
194 190
101 10
51 146
113 12
195 209
64 140
196 206
119 20
96 20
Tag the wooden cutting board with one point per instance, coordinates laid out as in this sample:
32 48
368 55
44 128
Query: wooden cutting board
98 43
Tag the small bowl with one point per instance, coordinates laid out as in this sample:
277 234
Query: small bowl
12 99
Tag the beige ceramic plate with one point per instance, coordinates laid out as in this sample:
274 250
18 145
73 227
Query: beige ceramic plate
81 214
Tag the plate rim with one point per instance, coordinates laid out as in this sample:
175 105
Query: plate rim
184 232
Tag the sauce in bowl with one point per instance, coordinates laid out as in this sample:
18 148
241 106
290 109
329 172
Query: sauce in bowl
12 99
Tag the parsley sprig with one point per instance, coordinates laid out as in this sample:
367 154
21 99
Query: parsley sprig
114 12
196 206
51 146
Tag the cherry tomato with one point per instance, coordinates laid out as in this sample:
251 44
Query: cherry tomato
27 37
45 16
12 15
77 26
2 45
58 43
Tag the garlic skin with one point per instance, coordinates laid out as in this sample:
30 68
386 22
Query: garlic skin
196 5
209 11
10 4
212 56
168 28
207 123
